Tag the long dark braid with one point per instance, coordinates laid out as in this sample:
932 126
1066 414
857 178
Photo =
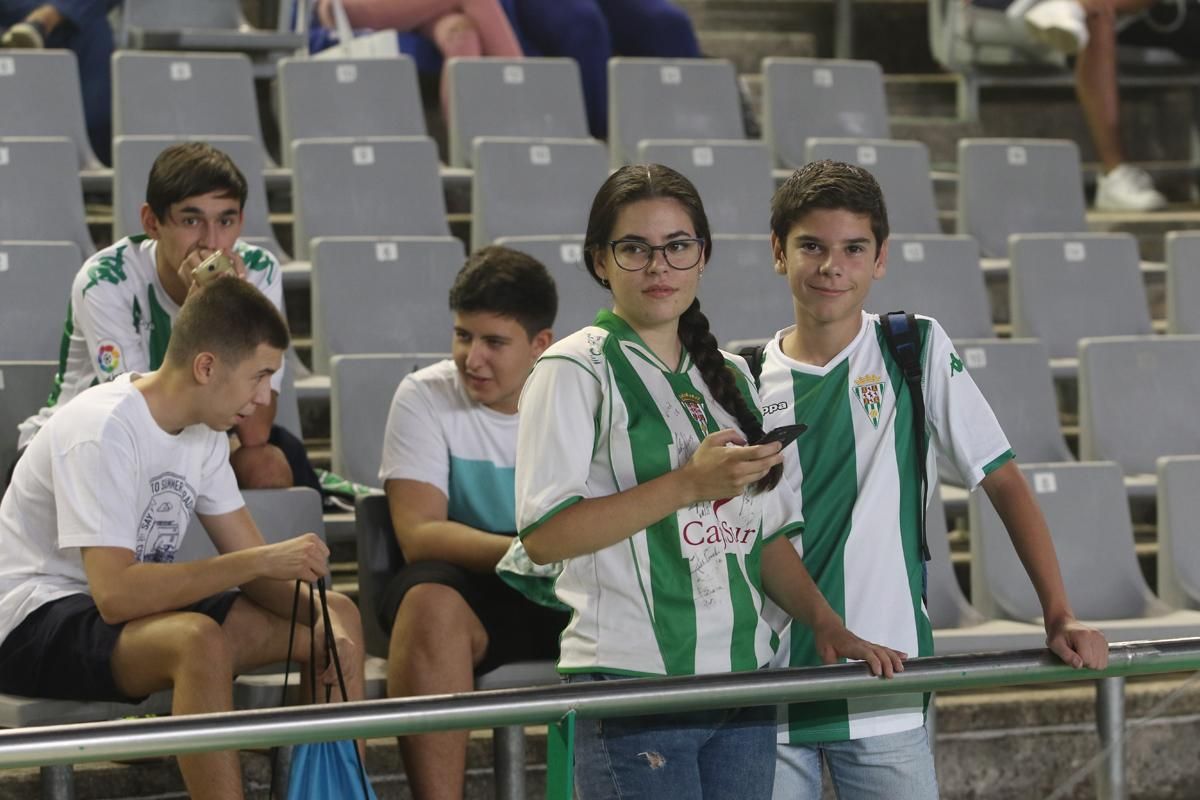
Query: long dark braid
695 335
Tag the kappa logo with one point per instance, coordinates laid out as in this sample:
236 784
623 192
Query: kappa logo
869 390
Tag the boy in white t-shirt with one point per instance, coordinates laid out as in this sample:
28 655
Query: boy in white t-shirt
91 605
448 468
125 298
855 470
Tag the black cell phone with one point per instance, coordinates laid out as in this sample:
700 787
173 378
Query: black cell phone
784 434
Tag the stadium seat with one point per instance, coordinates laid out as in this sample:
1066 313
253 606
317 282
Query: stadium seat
395 290
379 558
185 94
579 296
1137 399
373 186
1014 377
1064 287
287 407
529 97
191 25
902 170
808 97
24 386
740 293
35 282
1089 519
533 187
134 155
348 97
40 195
937 276
27 79
1178 546
1183 282
1008 186
733 178
360 398
650 98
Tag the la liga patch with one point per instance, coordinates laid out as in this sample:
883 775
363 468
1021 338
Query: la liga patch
108 357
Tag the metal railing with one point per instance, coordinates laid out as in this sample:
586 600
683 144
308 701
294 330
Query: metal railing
559 706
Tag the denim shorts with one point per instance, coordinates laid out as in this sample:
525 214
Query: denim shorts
724 754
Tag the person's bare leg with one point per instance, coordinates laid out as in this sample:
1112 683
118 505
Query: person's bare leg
261 467
456 37
436 642
495 32
189 653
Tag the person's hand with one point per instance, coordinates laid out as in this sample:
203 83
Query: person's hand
303 558
348 656
1081 646
195 257
723 466
834 640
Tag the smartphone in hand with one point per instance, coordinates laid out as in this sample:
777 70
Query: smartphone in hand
210 268
784 434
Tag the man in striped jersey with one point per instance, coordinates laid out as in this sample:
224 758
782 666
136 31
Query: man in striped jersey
861 489
126 297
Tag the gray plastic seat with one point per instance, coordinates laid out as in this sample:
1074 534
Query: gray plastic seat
1137 399
27 79
185 94
1008 186
287 406
348 97
372 186
528 97
651 98
41 199
740 293
1064 287
902 170
395 290
24 387
1183 282
533 187
1089 520
733 178
807 97
191 25
1014 376
35 284
1178 546
134 155
360 398
938 276
579 296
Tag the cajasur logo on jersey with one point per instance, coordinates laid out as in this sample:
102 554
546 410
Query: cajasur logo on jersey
869 390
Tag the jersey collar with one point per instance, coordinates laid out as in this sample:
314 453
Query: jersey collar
621 329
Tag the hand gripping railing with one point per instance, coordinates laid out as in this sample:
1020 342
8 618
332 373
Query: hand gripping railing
559 706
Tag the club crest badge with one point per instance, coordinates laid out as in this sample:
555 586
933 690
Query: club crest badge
694 403
869 390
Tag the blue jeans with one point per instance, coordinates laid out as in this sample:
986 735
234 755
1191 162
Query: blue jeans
893 766
715 755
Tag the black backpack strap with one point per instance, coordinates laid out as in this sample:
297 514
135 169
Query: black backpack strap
904 343
754 360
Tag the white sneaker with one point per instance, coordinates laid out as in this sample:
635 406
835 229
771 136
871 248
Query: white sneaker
1128 188
25 36
1058 24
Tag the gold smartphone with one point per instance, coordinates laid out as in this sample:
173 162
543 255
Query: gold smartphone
211 267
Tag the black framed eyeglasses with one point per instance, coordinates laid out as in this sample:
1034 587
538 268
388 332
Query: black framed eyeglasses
634 255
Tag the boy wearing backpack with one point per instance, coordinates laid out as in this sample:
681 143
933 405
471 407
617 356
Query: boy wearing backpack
863 485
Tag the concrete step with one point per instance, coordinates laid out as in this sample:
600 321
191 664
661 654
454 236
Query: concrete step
747 49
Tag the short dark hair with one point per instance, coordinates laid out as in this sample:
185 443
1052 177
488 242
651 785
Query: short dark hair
506 282
829 185
190 169
229 318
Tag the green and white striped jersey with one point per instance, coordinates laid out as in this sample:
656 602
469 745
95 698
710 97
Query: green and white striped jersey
861 498
600 414
119 319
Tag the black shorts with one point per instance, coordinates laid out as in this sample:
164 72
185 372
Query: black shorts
518 629
63 650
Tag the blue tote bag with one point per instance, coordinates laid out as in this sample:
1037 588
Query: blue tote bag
323 770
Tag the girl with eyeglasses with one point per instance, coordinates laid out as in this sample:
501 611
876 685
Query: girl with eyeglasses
634 468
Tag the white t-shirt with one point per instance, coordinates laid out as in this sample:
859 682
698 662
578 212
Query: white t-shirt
855 470
601 414
120 318
103 474
438 435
